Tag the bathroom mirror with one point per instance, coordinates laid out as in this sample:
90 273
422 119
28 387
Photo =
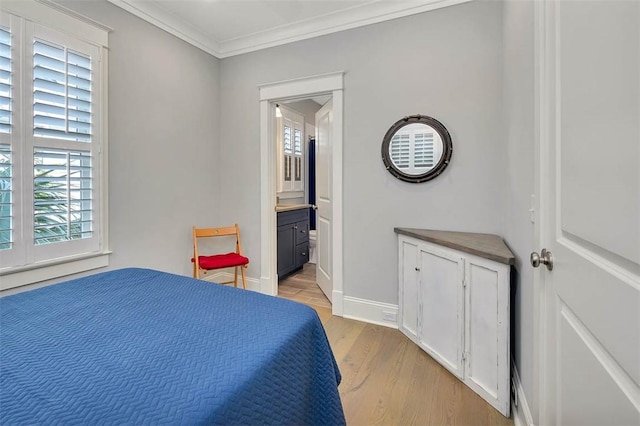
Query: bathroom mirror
416 149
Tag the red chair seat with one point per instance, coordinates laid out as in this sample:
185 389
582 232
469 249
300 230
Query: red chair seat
221 261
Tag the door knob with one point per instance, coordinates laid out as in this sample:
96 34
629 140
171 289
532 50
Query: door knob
545 257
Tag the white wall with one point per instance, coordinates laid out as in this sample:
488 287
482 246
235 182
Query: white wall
163 141
519 127
446 64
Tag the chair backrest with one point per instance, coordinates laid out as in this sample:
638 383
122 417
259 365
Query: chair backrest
215 232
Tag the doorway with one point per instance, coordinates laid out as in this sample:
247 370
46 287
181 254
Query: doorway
303 220
270 94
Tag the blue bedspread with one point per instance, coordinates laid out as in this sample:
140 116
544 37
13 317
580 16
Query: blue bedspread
136 346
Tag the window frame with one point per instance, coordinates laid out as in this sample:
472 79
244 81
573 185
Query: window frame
27 262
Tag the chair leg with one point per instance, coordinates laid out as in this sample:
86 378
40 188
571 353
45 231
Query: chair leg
244 285
235 276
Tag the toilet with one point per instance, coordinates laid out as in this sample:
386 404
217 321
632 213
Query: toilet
312 246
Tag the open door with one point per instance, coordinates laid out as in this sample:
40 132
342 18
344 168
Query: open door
590 206
324 125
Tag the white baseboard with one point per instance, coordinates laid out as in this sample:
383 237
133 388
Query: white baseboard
370 311
252 283
521 412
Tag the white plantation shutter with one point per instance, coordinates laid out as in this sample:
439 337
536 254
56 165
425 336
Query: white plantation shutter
287 139
6 121
6 198
5 80
62 175
61 93
297 142
423 150
400 150
62 207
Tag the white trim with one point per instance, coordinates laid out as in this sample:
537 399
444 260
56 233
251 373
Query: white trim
521 412
369 311
253 284
332 84
353 17
54 16
302 87
54 269
359 16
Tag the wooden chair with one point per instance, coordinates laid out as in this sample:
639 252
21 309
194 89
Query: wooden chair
218 261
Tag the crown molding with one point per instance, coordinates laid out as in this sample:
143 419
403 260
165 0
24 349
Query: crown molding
168 22
339 21
354 17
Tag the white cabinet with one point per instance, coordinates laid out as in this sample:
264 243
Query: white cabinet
455 306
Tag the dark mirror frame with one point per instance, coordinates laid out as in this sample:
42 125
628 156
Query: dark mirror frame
447 148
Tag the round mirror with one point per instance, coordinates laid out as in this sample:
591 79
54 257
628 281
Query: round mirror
416 149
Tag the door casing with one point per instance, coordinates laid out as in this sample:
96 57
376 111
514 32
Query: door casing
324 84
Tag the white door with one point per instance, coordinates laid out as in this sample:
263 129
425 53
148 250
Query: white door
590 205
324 129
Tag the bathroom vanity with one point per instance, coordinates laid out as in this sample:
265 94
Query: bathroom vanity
293 238
454 303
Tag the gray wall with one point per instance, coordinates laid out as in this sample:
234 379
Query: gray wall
446 64
163 140
519 126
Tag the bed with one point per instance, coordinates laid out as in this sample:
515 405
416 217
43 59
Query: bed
136 346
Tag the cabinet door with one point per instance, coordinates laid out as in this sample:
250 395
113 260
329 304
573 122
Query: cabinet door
408 288
286 249
441 329
487 331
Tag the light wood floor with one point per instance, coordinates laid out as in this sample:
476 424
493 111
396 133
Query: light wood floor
386 378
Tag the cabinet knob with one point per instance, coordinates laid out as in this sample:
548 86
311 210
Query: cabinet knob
304 231
304 253
417 269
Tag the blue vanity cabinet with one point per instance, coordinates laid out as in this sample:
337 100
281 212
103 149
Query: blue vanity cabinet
293 240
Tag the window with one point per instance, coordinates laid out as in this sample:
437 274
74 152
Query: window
51 144
413 150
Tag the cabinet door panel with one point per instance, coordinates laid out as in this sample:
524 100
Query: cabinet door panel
442 298
408 255
487 331
286 249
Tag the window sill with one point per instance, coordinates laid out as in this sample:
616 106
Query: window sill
31 274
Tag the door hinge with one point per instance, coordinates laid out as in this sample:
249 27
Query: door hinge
465 356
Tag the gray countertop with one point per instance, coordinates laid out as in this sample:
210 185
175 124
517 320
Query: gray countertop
289 207
488 246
